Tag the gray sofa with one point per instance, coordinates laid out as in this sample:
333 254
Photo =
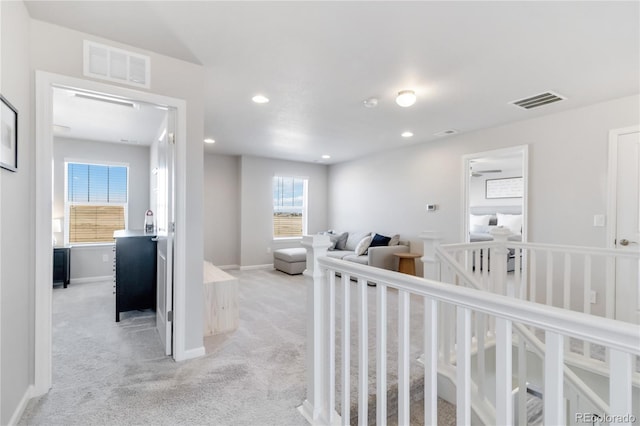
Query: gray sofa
352 247
379 256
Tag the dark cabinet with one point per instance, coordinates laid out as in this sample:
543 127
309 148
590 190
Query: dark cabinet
135 271
61 265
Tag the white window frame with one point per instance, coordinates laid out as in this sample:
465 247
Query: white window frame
68 204
305 206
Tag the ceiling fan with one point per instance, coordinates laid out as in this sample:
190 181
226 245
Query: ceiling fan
478 173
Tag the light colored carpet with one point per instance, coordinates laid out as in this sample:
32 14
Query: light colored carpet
115 373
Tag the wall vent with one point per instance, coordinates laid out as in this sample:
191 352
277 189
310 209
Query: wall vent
538 100
446 132
117 65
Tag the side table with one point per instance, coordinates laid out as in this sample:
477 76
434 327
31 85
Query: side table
61 265
407 263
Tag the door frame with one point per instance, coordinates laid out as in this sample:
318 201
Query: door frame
612 209
612 182
45 82
466 164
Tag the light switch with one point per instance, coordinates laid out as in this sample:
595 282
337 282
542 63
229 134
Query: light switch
599 220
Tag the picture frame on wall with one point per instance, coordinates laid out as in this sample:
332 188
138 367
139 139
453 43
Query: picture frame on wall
8 135
504 188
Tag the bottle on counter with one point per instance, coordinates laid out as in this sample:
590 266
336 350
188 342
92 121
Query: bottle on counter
148 222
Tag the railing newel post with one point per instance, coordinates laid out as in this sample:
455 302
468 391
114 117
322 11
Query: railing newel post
430 260
316 406
498 262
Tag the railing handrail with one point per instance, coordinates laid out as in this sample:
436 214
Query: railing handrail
608 332
556 248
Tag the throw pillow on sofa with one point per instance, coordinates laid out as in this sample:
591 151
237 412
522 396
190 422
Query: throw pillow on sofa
363 246
354 238
379 240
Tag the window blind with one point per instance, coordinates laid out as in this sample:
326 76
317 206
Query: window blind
96 201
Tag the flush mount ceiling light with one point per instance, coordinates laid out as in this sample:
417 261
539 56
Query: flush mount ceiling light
209 140
407 134
370 103
406 98
326 156
260 99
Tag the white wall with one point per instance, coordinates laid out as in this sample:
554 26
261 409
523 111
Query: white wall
567 177
88 261
222 209
16 219
256 203
59 50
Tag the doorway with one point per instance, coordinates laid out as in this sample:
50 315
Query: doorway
624 220
495 190
45 83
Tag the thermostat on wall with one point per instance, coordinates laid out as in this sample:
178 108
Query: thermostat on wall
431 207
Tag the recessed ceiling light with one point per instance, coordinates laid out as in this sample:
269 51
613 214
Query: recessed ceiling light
407 134
406 98
209 140
326 156
260 99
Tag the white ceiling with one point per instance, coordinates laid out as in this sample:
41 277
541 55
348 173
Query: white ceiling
318 61
76 116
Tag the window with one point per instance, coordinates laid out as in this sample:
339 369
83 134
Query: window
96 202
289 207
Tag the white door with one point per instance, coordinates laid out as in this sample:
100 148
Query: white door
165 233
627 220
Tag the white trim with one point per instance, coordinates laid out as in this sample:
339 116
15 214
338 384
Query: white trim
466 159
85 280
43 243
257 267
228 267
612 182
22 405
192 353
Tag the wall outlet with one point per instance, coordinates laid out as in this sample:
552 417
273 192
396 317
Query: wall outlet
432 207
105 257
599 220
593 297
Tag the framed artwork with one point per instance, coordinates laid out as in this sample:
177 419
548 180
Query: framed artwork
8 135
504 188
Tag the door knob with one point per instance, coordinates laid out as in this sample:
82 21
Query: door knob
625 242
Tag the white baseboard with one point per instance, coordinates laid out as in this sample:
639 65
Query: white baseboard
17 414
256 267
228 267
192 353
90 279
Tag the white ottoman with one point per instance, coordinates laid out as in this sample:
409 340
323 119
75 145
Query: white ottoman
290 260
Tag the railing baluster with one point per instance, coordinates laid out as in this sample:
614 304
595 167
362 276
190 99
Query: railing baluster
504 380
403 357
363 353
549 278
430 348
620 390
553 379
610 296
381 357
522 381
586 347
446 335
520 285
480 358
532 275
331 346
463 367
346 349
566 297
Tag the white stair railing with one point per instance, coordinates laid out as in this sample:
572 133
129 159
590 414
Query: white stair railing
399 297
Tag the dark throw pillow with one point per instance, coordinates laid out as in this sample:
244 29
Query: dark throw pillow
379 240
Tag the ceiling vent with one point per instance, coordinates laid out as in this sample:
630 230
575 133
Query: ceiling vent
538 100
109 63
